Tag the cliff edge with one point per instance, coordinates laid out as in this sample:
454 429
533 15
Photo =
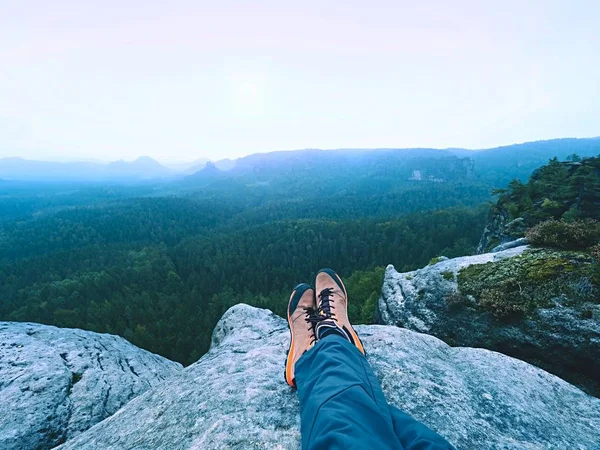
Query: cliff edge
56 382
535 304
235 396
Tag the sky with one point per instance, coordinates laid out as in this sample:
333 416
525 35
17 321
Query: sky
183 80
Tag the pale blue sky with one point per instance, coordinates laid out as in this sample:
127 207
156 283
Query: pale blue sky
181 80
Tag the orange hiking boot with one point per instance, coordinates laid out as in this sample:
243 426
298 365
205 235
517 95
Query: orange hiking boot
301 319
332 305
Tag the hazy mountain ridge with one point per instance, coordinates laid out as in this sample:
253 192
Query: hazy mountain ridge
143 168
343 169
515 161
195 239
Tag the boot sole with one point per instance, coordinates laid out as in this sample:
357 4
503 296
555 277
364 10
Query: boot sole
296 294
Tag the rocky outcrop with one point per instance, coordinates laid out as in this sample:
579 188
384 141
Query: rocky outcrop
500 231
56 383
235 396
560 333
405 298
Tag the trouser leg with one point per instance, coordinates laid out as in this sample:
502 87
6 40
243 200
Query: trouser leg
339 406
413 435
342 405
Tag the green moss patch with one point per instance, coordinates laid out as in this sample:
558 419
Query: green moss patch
435 260
448 275
517 286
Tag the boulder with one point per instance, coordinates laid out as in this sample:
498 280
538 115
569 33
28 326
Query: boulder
562 335
235 396
56 383
406 297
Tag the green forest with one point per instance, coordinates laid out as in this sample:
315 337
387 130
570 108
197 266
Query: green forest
159 265
559 190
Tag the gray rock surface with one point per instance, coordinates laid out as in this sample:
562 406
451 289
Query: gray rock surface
411 299
56 383
512 244
234 397
557 339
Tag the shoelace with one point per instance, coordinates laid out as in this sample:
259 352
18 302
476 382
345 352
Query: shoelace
322 321
325 307
312 317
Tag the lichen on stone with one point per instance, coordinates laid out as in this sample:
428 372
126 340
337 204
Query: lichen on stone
532 280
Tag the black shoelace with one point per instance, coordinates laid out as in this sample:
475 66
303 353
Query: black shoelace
312 317
325 307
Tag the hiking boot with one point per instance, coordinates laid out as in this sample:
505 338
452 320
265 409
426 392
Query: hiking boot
301 319
332 306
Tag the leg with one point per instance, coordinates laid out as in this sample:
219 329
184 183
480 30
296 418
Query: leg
342 405
341 402
413 435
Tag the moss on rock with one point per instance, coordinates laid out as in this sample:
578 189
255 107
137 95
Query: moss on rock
448 275
437 259
538 278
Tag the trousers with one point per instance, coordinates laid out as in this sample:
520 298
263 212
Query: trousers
342 405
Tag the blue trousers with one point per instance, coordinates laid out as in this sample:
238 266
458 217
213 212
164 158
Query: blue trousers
342 405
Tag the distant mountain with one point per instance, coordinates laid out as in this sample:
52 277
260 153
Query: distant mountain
495 166
315 158
196 167
503 164
305 174
274 164
187 167
207 175
225 164
143 168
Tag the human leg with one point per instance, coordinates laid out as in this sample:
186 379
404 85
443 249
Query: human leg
341 404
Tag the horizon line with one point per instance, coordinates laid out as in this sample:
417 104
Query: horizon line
162 161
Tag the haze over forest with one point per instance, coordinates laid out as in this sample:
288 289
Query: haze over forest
157 255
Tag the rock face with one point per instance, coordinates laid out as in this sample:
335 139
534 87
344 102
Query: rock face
562 337
405 297
500 231
56 383
235 397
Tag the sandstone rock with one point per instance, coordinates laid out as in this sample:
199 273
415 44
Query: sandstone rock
512 244
56 383
234 397
499 231
492 233
406 298
563 339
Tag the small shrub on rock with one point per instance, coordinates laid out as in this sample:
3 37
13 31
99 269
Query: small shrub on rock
503 304
578 234
456 300
436 260
595 252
